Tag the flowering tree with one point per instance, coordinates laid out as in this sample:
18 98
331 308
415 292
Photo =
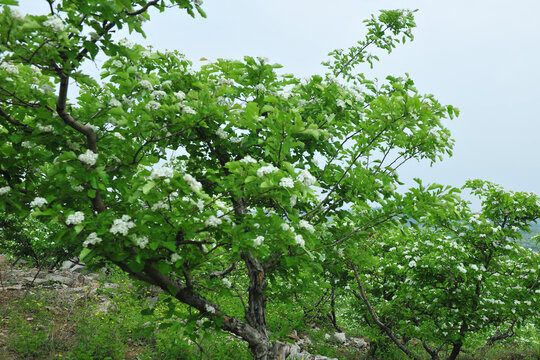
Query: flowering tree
460 273
203 182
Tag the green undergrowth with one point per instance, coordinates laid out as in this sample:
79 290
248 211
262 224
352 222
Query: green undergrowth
48 324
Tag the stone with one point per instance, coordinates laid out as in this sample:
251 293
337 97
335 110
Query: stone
340 337
111 286
359 343
35 281
60 279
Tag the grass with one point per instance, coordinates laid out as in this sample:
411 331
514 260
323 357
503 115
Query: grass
49 324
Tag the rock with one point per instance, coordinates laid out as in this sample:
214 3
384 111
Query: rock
67 265
3 261
111 286
340 337
321 357
359 343
60 279
104 306
14 287
35 281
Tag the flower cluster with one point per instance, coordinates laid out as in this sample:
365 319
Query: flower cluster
268 169
286 182
248 159
141 241
92 239
9 68
122 225
75 218
153 105
158 94
54 22
192 182
180 95
221 133
213 221
162 172
306 178
226 282
38 202
299 240
305 225
46 128
4 190
145 84
89 157
175 257
258 241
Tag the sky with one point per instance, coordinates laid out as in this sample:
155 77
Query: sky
480 56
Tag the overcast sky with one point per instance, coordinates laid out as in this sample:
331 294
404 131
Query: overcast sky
481 56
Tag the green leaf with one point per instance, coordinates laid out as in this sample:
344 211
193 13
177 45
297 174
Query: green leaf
86 254
9 2
148 186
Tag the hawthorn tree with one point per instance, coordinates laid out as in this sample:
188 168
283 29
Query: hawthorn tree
205 182
451 274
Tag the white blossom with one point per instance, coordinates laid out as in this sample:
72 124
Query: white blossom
226 82
153 105
122 225
4 190
54 22
212 221
285 227
117 135
248 159
299 240
89 157
306 178
223 101
75 218
188 110
116 63
38 202
180 95
140 241
340 103
9 68
46 128
115 103
268 169
305 225
78 188
92 239
222 133
461 268
226 282
207 307
175 257
158 94
258 241
293 200
286 182
27 144
192 182
412 263
146 84
16 14
161 172
260 87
